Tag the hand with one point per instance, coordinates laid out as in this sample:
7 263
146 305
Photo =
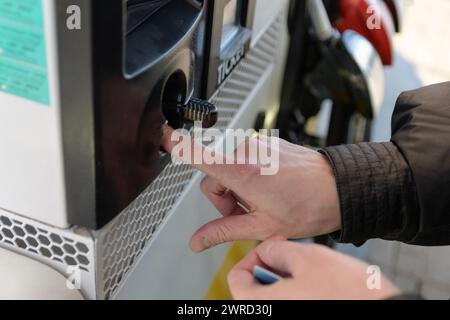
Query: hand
312 272
300 201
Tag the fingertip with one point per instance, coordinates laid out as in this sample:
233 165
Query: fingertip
168 129
166 140
267 246
199 243
273 243
280 255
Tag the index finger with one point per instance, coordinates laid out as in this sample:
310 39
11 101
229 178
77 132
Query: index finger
228 174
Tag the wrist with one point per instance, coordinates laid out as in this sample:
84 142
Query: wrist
324 211
332 207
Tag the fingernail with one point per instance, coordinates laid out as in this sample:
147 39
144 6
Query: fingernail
201 244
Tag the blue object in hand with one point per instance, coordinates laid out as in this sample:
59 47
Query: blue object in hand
265 276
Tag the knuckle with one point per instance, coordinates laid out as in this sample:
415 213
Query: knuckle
266 227
249 172
221 234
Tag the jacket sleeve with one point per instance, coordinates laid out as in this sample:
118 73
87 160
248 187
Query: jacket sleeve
399 190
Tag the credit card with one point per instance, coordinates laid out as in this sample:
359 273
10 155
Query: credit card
265 276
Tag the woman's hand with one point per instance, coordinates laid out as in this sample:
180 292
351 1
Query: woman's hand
311 272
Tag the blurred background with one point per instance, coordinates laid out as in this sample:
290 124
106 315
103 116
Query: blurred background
422 58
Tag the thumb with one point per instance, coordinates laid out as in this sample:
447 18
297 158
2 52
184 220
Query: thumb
231 228
282 256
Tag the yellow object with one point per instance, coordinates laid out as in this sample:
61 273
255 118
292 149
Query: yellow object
219 287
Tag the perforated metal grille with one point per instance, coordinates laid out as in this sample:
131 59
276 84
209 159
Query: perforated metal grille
30 238
124 239
124 242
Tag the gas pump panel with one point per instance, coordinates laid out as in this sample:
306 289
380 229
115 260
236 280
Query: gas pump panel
129 67
86 87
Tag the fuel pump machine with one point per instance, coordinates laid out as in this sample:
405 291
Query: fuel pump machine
85 88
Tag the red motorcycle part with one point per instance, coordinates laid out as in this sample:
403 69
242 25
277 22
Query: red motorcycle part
372 19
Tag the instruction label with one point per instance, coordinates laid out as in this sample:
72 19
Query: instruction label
23 61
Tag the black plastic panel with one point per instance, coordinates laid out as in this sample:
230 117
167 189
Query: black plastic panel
133 62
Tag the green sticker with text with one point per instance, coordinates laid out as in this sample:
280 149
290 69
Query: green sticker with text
23 62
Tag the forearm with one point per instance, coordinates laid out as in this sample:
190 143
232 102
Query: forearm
376 191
